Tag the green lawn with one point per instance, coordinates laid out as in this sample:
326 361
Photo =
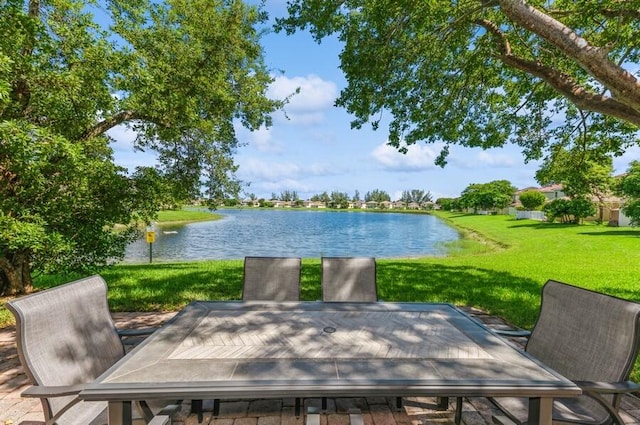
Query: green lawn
186 215
500 267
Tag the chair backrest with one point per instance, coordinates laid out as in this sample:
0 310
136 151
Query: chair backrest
585 335
349 279
271 279
65 335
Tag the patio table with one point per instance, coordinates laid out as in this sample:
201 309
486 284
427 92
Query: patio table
218 350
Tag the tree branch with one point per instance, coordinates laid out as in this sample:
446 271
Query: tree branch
561 82
574 92
115 120
624 87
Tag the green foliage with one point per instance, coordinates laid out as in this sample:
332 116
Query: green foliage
416 195
447 204
487 196
377 195
483 74
532 199
59 202
339 200
180 73
569 210
629 187
288 196
582 172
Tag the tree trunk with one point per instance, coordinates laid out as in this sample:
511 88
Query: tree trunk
16 274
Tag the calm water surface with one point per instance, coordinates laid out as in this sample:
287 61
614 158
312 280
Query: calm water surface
298 233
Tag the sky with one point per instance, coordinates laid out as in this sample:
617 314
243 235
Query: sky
315 150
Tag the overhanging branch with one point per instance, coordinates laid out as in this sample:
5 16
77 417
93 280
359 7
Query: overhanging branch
574 92
561 82
115 120
624 87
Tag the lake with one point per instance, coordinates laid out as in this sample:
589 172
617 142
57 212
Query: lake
298 233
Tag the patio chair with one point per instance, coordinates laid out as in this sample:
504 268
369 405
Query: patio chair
271 279
266 279
590 338
349 279
66 338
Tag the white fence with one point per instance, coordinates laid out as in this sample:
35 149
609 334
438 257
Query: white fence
530 215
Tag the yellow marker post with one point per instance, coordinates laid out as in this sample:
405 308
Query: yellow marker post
151 238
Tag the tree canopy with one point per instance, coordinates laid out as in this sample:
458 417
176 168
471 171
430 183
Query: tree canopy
487 196
629 187
180 73
582 173
485 73
532 199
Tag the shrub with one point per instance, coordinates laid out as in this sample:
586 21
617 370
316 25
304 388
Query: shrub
532 199
569 210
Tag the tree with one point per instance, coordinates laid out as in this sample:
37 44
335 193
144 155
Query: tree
420 196
569 210
59 202
629 187
487 196
339 200
532 199
288 196
179 73
377 195
483 73
582 173
448 204
415 196
406 198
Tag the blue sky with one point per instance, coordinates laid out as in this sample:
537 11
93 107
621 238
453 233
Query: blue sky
315 150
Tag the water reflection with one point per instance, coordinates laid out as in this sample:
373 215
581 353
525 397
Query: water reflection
299 233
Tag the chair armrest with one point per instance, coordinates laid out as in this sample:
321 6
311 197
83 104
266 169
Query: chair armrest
136 332
40 391
597 390
513 333
608 387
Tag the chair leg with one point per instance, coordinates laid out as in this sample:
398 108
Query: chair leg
196 407
458 416
443 403
324 403
297 407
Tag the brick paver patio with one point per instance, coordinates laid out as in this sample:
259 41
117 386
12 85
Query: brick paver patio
15 410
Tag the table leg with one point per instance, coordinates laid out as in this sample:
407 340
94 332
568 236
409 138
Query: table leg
540 410
120 413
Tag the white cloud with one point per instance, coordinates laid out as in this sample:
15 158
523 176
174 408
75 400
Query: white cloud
417 158
495 159
621 163
123 138
262 140
254 169
277 187
307 106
